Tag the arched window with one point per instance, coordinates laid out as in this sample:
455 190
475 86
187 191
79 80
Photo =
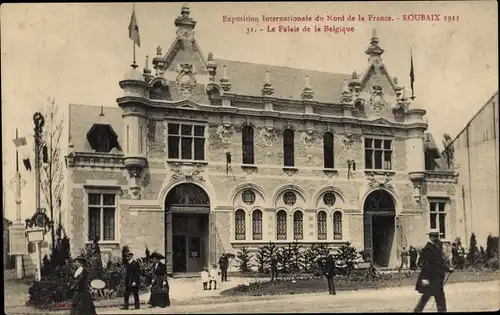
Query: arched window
281 225
328 150
257 225
322 225
247 142
298 225
337 225
239 225
288 148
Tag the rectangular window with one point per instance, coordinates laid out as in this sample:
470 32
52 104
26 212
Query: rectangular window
186 142
378 154
437 216
102 214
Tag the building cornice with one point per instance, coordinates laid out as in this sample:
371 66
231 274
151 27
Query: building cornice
186 105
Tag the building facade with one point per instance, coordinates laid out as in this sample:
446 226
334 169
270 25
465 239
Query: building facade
474 154
204 156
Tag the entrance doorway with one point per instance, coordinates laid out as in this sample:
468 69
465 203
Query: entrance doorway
379 227
187 245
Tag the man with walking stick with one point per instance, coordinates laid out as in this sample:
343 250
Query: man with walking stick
431 279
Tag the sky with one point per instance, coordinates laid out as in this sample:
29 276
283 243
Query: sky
78 53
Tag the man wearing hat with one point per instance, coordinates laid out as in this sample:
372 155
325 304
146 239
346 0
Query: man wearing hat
132 279
159 286
433 270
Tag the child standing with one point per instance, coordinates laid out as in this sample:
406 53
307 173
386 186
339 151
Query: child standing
214 274
205 277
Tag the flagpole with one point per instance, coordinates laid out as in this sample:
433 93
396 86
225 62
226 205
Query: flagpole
134 65
412 74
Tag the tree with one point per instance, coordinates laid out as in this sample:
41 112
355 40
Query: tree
449 151
244 257
473 253
52 177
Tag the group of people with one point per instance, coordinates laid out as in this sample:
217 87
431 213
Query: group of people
209 277
82 302
412 253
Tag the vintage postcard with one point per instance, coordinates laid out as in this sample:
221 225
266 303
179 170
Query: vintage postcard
263 157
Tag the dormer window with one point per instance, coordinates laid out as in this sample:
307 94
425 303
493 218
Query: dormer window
102 138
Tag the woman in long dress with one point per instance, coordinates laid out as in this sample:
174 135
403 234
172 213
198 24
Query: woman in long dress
159 287
82 303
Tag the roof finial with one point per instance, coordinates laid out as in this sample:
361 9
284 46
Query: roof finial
224 81
102 111
158 50
346 95
307 92
267 89
374 51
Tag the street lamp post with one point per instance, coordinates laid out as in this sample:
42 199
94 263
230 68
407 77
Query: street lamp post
39 123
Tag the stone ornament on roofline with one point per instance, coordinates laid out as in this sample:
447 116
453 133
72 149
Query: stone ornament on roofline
186 80
377 99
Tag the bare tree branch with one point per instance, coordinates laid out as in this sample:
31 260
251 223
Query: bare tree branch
52 175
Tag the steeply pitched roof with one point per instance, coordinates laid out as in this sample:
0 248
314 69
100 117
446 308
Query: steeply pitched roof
83 117
288 83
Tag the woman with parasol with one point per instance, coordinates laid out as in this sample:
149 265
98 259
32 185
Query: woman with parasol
82 303
159 286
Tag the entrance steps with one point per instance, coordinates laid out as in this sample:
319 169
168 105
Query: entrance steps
186 275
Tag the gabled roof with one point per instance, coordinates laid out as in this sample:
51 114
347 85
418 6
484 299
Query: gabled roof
83 117
288 83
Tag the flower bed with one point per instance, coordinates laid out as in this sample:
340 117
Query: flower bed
298 285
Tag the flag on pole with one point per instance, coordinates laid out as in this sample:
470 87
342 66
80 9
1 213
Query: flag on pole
133 30
412 73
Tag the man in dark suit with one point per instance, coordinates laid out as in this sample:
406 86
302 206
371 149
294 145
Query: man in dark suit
329 273
433 271
274 268
132 280
223 265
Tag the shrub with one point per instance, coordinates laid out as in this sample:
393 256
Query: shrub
283 258
491 246
348 254
295 256
309 258
261 259
472 254
243 257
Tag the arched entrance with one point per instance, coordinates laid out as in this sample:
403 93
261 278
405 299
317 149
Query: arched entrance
187 209
379 226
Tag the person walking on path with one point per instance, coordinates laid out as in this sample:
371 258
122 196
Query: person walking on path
413 258
330 273
433 270
132 280
82 303
223 265
159 287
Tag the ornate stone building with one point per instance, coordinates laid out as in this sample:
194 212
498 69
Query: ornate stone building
205 156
